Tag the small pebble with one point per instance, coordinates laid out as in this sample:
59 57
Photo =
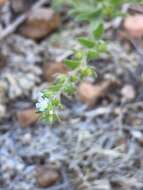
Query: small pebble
50 70
137 134
40 23
128 92
47 176
27 138
27 117
134 25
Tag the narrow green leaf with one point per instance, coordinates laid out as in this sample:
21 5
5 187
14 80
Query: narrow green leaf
69 88
86 16
86 42
92 54
72 64
55 87
99 30
102 47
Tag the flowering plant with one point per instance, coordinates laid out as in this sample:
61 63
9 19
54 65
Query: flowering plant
95 12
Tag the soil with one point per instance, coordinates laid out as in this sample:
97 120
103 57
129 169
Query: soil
98 148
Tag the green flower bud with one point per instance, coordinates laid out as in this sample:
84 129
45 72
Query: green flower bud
78 55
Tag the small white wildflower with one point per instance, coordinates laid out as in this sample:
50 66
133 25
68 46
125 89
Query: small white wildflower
51 112
40 96
42 103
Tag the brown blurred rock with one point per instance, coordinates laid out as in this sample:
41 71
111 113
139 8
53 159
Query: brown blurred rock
47 176
90 94
40 23
3 60
27 117
2 2
51 69
87 93
27 138
134 25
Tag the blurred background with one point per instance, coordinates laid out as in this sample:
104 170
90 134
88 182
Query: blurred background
98 144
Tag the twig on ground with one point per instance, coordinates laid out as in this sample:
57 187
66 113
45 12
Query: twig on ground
108 152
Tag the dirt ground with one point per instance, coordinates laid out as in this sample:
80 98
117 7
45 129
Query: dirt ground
91 148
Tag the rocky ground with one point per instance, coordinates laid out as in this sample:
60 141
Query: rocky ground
98 144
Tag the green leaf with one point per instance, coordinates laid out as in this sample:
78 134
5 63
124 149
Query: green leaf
74 78
102 47
86 72
72 64
86 11
55 87
86 16
92 54
55 102
69 88
99 30
86 42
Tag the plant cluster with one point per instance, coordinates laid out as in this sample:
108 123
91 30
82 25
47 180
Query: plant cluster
94 12
49 103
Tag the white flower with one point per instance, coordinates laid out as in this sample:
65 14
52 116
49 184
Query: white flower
40 96
42 103
51 112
